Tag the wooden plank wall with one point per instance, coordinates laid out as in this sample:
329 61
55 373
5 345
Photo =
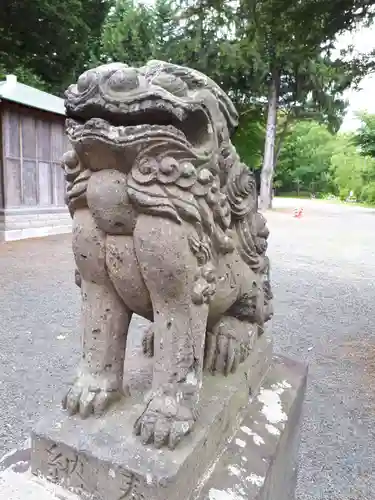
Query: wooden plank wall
33 144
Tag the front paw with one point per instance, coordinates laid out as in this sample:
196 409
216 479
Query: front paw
164 421
90 395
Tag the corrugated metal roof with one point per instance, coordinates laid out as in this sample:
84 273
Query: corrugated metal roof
11 90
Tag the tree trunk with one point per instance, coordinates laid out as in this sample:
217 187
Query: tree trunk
269 145
280 141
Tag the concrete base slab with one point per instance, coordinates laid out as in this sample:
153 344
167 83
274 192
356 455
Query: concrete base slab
103 457
248 452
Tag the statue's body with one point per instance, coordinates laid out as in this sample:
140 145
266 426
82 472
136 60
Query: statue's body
165 225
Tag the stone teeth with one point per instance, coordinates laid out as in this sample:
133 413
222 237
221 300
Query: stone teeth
113 133
133 108
179 113
144 105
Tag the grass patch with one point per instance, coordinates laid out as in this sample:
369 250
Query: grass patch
302 195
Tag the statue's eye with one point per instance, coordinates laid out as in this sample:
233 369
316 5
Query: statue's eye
172 83
86 80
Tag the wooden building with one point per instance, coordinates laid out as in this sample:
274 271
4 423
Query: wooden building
32 141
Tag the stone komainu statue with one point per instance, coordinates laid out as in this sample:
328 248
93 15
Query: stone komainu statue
165 225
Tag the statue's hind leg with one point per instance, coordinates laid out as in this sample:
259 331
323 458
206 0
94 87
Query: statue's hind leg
228 344
104 322
168 268
233 337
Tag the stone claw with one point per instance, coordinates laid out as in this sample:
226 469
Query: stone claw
223 354
224 351
87 397
164 422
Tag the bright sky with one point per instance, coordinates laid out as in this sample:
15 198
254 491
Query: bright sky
362 99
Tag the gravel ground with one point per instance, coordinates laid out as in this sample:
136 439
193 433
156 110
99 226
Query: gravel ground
323 278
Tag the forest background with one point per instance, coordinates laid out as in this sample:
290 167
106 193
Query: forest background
278 60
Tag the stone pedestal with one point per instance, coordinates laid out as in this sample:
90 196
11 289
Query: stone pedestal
243 446
261 461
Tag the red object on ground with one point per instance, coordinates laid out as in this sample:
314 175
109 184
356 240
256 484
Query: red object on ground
298 213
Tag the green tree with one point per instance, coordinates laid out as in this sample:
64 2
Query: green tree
95 15
24 75
347 167
305 160
134 33
128 34
272 57
276 53
187 32
364 138
49 39
249 137
206 40
297 74
361 171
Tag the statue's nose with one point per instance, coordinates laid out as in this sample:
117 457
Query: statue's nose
124 80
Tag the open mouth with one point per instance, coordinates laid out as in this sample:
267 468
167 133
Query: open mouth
141 119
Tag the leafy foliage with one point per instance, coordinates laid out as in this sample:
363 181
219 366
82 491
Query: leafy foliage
249 138
24 75
365 136
316 161
347 166
306 158
128 34
249 48
301 78
49 39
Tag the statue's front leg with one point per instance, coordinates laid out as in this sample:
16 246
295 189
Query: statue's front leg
104 322
168 268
